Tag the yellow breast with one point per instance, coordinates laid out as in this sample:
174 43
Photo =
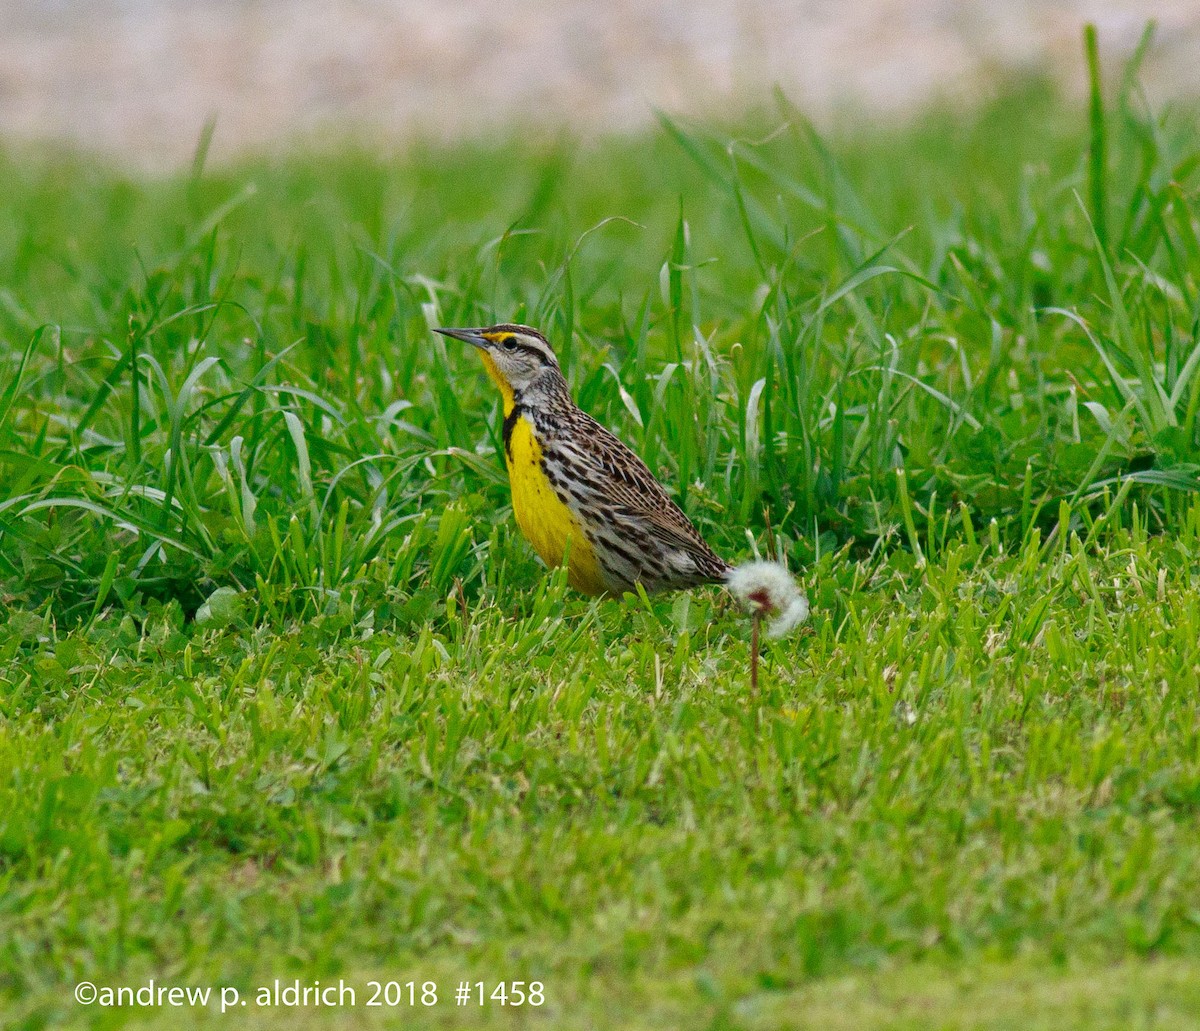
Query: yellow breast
549 525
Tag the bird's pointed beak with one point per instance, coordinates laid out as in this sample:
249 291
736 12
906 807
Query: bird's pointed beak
471 336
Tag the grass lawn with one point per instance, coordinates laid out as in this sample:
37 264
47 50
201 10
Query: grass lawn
284 695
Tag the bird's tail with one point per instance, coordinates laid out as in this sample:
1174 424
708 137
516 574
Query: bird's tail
768 589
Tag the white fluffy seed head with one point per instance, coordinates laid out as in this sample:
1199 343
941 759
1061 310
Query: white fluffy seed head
767 588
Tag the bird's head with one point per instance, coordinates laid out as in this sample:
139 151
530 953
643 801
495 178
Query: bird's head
516 357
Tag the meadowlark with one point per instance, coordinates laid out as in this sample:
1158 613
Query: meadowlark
582 496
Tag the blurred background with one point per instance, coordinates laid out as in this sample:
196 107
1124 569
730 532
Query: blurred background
138 79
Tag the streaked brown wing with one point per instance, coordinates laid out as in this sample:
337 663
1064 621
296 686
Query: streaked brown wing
642 498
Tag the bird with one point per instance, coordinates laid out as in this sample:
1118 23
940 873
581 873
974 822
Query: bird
582 497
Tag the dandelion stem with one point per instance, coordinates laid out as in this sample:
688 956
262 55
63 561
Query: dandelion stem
756 623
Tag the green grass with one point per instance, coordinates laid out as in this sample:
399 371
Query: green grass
284 694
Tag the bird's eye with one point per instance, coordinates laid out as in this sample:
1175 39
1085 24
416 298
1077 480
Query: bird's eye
509 343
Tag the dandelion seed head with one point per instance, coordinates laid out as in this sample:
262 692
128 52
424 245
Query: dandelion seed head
767 588
790 618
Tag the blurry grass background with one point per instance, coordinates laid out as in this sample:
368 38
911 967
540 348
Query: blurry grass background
228 378
283 692
137 79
